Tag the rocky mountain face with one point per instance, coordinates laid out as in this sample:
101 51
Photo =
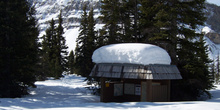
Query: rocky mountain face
213 21
71 11
213 17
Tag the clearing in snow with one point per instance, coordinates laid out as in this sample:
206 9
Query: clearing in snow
70 93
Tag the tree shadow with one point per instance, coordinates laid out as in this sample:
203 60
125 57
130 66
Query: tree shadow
60 96
215 96
45 97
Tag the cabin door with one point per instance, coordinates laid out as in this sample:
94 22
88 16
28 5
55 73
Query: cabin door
143 91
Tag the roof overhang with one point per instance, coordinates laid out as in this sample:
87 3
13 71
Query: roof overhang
136 71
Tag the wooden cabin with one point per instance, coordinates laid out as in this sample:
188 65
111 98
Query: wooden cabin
134 72
135 82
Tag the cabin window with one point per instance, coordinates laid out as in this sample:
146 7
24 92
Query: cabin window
132 89
129 89
118 89
137 89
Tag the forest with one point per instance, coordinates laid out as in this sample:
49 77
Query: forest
170 24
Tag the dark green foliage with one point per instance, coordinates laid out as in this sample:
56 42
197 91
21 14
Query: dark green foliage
192 55
159 24
129 11
61 44
121 19
85 44
80 44
48 50
216 70
54 53
111 18
71 62
193 64
18 47
172 25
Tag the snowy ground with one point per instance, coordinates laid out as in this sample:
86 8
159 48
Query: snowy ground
70 93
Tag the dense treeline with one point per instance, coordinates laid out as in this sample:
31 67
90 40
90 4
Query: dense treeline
23 60
18 47
170 24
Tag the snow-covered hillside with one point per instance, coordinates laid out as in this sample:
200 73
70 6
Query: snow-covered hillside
213 48
46 10
217 2
70 93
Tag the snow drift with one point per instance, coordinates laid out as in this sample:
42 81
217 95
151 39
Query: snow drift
134 53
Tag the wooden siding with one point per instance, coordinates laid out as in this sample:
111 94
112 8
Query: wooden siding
160 93
134 71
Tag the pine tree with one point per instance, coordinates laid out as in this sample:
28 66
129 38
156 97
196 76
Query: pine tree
194 67
217 72
110 16
71 59
54 53
85 44
91 45
61 47
122 23
48 51
44 68
172 25
148 10
159 23
129 21
81 44
18 47
195 71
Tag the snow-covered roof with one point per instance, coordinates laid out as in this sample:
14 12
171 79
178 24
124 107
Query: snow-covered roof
135 53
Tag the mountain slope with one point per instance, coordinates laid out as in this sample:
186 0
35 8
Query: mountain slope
72 10
71 13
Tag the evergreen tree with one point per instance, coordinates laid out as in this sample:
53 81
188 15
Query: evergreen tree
148 10
216 72
173 23
54 53
81 44
195 72
48 51
18 47
44 68
85 44
212 70
110 16
71 62
121 19
128 21
91 45
61 48
159 23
